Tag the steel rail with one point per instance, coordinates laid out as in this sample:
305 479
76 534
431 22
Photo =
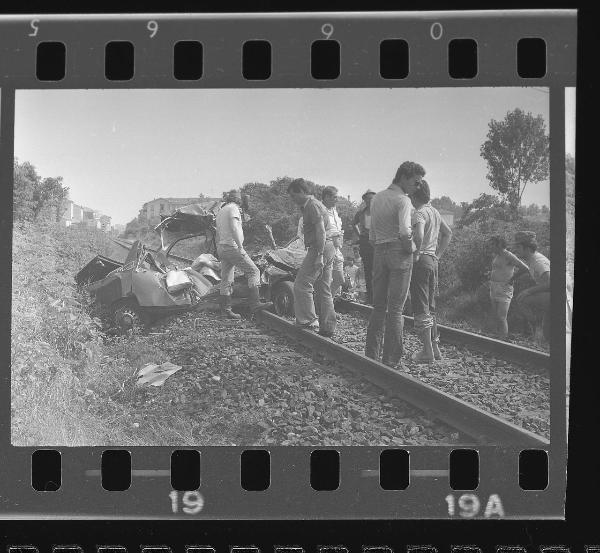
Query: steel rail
469 419
505 350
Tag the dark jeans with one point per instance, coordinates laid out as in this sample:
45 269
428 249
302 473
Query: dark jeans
392 268
422 291
365 249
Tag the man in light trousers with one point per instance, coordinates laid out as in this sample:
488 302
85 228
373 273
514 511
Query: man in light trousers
315 273
231 253
336 234
391 235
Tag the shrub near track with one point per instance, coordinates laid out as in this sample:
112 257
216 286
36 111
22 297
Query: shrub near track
64 370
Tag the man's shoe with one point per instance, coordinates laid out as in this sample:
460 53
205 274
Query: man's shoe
226 308
326 333
254 302
309 326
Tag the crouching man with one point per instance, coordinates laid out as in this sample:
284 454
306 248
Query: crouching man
315 273
536 299
230 249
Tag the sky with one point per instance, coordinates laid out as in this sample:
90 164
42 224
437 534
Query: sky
117 149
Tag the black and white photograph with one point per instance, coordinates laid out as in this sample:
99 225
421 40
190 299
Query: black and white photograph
286 267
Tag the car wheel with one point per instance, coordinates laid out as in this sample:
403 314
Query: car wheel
282 297
127 316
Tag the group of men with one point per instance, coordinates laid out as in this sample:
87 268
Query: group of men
401 237
397 229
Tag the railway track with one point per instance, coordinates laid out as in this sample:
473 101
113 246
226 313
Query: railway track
480 425
510 352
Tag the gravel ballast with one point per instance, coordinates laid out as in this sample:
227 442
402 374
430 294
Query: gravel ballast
247 385
518 394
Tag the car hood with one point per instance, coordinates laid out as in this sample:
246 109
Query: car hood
186 222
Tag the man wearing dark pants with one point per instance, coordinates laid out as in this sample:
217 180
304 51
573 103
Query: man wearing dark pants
315 273
392 265
362 225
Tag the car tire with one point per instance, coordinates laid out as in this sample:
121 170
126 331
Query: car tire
282 297
127 316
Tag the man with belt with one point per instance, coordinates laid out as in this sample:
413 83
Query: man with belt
392 264
315 273
336 234
231 253
362 225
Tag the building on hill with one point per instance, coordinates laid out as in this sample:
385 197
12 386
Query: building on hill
447 216
166 206
75 214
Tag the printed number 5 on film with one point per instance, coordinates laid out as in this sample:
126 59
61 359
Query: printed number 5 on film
183 329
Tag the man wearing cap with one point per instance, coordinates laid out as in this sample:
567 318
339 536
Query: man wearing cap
315 273
336 234
362 225
391 234
537 297
231 253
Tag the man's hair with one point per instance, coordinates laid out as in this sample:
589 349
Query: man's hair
300 185
408 169
422 194
527 239
329 191
498 241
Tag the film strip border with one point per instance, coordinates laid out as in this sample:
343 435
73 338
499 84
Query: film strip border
361 43
519 48
212 483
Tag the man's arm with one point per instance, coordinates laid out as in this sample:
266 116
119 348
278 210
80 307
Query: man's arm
320 235
404 220
514 260
235 224
418 230
355 222
446 236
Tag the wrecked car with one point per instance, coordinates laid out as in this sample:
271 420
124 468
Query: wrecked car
148 284
151 284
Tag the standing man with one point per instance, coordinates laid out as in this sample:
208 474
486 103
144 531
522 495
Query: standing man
336 234
393 261
314 274
427 226
535 299
362 225
231 253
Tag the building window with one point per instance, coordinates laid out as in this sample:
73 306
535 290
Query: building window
162 208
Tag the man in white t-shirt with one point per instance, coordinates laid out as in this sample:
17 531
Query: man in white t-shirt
336 234
231 253
535 298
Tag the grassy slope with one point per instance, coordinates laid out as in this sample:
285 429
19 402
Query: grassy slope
65 372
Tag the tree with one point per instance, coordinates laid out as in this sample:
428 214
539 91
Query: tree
447 203
484 207
516 152
26 180
34 197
